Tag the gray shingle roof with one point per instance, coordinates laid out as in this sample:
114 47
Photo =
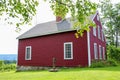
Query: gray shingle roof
48 28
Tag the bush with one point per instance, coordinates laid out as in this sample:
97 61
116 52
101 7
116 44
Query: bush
7 67
113 53
102 63
1 63
111 62
96 63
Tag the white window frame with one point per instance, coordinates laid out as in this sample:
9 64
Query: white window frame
94 31
100 52
65 50
99 32
27 53
95 51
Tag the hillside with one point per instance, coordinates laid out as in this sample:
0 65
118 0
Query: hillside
8 56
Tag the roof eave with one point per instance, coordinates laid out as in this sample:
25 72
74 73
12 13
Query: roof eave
44 34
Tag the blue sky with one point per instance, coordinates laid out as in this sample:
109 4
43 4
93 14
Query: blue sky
8 41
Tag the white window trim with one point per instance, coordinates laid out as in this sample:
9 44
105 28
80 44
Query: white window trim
71 50
95 54
100 52
26 52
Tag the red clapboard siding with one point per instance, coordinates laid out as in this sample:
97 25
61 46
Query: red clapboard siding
44 48
94 39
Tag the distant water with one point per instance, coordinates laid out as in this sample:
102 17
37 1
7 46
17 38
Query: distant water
8 57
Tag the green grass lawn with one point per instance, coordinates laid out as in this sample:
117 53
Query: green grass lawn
108 73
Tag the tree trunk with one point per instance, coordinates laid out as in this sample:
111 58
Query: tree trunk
112 38
116 42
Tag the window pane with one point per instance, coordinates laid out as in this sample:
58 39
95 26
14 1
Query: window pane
102 35
100 52
28 53
95 51
94 31
103 53
99 32
98 18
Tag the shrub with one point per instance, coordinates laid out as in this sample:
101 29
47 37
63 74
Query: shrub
113 53
111 62
7 67
96 63
1 63
103 63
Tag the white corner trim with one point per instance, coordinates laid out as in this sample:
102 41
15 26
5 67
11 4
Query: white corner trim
17 59
88 44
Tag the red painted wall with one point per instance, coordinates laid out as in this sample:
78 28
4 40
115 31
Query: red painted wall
44 48
95 39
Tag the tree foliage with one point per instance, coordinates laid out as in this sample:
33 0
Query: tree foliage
80 11
22 10
113 53
111 19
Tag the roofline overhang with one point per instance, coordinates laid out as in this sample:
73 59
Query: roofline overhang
45 34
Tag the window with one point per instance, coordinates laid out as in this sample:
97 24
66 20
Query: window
68 50
95 51
103 53
99 32
28 53
100 52
102 35
94 31
98 18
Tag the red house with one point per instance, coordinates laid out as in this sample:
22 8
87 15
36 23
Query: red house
38 46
